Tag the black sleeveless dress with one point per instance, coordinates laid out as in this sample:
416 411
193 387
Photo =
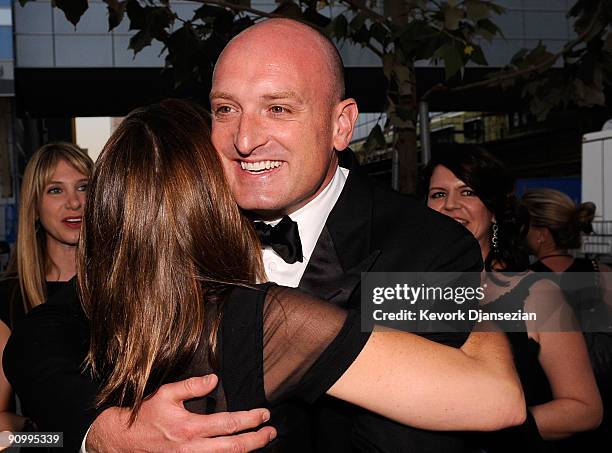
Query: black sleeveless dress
525 437
599 345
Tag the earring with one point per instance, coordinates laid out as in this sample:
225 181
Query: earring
495 238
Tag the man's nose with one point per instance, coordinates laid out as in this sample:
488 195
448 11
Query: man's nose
250 134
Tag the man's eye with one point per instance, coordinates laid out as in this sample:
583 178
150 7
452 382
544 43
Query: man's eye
223 109
276 109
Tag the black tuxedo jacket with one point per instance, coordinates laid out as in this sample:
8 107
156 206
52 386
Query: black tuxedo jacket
370 229
373 229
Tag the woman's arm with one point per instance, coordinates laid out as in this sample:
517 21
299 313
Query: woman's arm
431 386
576 404
9 421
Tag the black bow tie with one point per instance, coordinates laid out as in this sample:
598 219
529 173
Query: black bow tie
284 238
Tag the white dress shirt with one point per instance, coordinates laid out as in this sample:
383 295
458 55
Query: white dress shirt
311 219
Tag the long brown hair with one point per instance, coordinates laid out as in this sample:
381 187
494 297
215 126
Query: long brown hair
31 262
162 240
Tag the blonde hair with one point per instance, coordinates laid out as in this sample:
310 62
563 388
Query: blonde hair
30 262
556 211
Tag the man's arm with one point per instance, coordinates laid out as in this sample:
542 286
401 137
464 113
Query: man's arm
43 362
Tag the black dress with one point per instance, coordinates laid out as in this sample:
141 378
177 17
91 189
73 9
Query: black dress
11 302
599 345
275 343
12 307
12 312
525 437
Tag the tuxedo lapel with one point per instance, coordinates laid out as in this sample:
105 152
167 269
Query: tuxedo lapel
343 250
324 276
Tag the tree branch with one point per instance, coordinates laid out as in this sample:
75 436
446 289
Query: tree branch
525 71
358 5
259 13
241 8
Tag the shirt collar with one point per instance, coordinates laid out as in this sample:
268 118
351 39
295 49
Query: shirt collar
312 216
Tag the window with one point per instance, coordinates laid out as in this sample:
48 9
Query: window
6 43
473 130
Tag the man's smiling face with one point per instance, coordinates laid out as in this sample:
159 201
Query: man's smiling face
275 121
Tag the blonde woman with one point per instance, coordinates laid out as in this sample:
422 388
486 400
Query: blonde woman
556 226
50 213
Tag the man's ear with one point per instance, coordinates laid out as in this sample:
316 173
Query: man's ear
345 117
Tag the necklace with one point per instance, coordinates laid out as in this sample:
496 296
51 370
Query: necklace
554 255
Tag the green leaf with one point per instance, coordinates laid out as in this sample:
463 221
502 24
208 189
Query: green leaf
453 58
418 38
485 26
338 27
73 9
362 36
499 10
537 56
140 40
137 15
452 17
116 11
358 21
160 20
376 140
588 95
208 12
478 56
518 57
477 10
380 33
312 16
288 9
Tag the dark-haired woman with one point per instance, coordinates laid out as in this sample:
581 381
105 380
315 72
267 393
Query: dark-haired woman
474 188
556 226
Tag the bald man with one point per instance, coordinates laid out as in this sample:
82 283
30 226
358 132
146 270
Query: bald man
278 96
280 121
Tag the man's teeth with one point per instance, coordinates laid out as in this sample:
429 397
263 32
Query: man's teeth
259 166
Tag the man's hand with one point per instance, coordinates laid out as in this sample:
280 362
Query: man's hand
164 425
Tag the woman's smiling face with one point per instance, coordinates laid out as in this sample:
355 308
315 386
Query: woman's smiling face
452 197
61 205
